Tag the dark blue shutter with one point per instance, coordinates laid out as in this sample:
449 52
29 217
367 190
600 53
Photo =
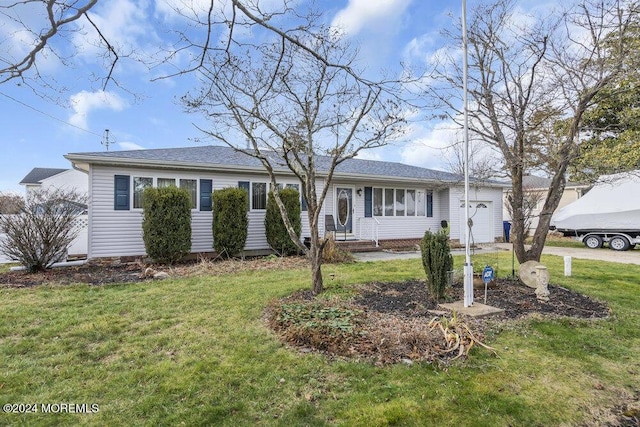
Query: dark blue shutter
368 202
121 185
303 204
245 185
429 204
206 188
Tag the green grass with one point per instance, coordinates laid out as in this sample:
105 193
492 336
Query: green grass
560 241
195 351
6 267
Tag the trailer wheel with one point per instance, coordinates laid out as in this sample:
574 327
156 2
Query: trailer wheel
593 241
619 243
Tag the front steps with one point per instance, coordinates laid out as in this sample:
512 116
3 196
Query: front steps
357 245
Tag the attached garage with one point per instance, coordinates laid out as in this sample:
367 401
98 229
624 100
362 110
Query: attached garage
483 228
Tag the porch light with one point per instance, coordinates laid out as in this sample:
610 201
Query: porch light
359 191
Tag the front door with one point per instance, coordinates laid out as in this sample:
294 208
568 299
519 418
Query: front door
344 209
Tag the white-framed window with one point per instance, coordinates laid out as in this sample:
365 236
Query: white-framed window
411 203
388 202
142 182
401 202
377 202
258 195
139 184
166 182
421 202
191 185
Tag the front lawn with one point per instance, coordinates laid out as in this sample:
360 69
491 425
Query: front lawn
196 351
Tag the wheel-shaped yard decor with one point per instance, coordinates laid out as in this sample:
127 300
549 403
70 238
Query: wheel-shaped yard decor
593 241
619 243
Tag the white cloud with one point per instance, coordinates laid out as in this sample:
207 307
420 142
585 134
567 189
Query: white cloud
126 24
376 14
370 155
85 102
130 146
428 147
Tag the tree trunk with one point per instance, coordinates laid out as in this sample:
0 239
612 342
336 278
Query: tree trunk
517 200
556 189
315 257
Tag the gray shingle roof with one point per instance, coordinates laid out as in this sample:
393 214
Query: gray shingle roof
38 174
532 181
213 155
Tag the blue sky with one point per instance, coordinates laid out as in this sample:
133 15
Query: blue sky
37 132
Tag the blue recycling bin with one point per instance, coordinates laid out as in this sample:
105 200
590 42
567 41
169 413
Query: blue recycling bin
506 226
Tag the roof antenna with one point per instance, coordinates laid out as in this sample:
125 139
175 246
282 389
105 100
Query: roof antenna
105 139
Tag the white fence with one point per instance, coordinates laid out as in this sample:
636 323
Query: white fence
78 247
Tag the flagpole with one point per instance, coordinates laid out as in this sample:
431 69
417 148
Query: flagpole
468 266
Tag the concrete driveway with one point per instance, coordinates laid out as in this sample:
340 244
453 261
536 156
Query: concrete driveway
603 254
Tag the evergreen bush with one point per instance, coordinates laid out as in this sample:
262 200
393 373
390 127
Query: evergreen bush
437 262
166 223
277 234
230 220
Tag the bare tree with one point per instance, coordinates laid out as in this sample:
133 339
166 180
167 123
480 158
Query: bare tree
531 200
523 78
483 164
45 28
10 204
300 104
40 234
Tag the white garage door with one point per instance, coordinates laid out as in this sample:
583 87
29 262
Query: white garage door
482 230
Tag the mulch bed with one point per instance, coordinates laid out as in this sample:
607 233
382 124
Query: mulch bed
102 274
410 299
87 273
399 322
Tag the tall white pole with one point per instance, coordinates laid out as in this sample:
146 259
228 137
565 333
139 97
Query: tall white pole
468 266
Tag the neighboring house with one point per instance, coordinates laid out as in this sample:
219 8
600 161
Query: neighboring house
367 200
64 179
536 189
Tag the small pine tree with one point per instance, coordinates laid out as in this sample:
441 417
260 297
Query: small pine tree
277 234
166 223
437 262
230 220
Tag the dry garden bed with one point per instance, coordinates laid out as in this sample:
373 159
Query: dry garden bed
398 322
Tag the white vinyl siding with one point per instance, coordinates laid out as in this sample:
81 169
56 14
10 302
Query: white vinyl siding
119 233
485 194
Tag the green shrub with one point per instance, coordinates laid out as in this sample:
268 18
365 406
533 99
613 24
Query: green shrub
437 262
166 223
230 221
277 234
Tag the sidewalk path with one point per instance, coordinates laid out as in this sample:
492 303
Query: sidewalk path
603 254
